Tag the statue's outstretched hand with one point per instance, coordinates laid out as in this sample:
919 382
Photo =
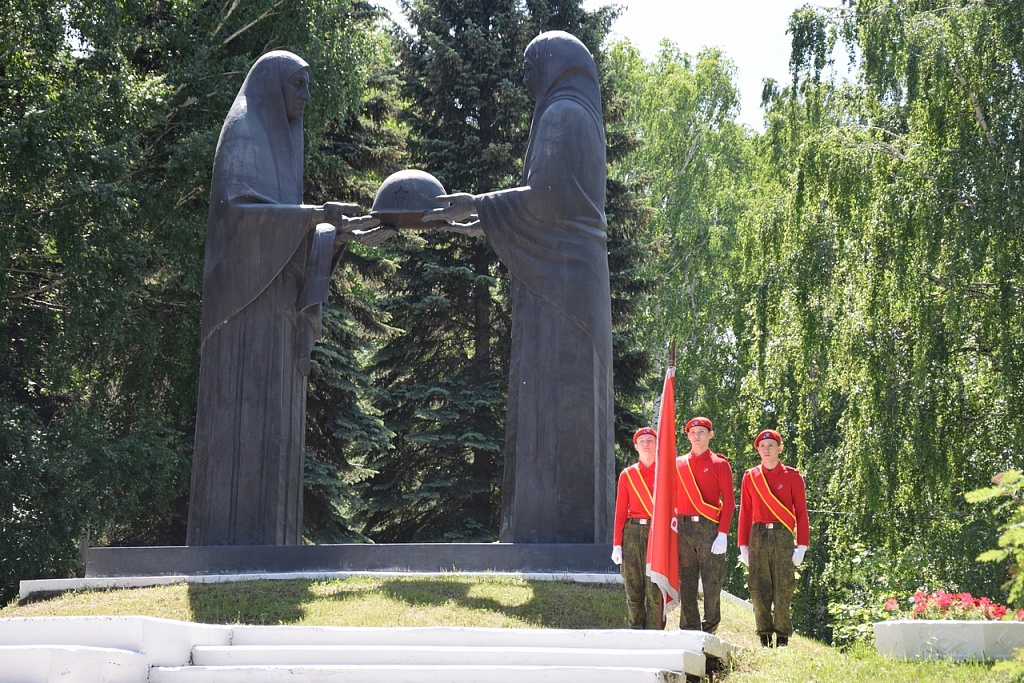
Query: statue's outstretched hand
346 208
359 223
345 217
461 205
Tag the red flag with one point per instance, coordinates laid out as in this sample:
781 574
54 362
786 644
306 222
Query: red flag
663 539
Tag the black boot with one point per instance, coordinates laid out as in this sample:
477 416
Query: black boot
766 641
781 641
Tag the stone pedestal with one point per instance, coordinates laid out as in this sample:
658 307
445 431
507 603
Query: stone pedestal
416 557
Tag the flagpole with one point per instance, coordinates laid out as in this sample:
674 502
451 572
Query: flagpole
670 362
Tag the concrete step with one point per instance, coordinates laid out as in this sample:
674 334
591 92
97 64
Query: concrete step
164 642
397 673
71 664
122 649
594 639
238 655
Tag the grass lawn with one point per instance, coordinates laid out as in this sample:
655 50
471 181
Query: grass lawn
484 602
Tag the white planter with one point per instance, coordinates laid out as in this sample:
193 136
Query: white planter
959 640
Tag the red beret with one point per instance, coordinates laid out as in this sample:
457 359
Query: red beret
699 422
644 430
767 434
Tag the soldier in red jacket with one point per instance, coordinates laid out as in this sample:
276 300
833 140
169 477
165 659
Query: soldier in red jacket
773 512
634 505
704 504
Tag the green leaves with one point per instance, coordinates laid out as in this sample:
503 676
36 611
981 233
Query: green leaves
692 159
109 115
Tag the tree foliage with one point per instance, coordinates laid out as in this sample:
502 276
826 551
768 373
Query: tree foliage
444 378
852 277
888 330
690 153
110 114
440 377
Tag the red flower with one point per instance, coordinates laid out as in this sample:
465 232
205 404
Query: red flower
942 605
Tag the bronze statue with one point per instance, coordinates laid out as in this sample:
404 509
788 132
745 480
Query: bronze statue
550 233
268 264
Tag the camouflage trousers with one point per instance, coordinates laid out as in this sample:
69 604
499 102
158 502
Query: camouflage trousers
696 563
772 579
643 598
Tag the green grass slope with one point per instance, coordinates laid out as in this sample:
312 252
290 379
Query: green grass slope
496 602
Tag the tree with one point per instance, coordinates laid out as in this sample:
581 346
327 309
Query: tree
111 112
883 326
694 159
343 424
440 379
445 377
89 429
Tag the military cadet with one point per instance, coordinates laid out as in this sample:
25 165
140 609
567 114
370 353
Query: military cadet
773 512
634 505
704 504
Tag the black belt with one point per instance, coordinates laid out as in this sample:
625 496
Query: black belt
638 520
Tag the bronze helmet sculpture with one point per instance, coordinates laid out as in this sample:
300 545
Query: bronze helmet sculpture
404 197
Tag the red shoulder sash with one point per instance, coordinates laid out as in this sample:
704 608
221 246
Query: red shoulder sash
774 505
642 491
689 484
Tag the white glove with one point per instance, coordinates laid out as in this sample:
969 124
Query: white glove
617 554
798 555
745 555
718 547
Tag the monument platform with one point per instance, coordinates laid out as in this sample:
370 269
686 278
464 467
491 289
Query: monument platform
557 558
138 649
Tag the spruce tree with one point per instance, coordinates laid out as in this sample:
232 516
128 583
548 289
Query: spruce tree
445 377
342 425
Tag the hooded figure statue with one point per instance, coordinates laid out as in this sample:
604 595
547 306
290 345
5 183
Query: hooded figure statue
267 270
550 233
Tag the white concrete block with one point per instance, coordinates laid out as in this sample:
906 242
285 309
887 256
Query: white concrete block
169 643
71 664
163 642
670 660
939 638
70 645
410 674
479 637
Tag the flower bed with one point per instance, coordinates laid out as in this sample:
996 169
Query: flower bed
955 625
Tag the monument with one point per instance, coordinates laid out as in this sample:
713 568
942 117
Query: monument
268 263
267 269
550 234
